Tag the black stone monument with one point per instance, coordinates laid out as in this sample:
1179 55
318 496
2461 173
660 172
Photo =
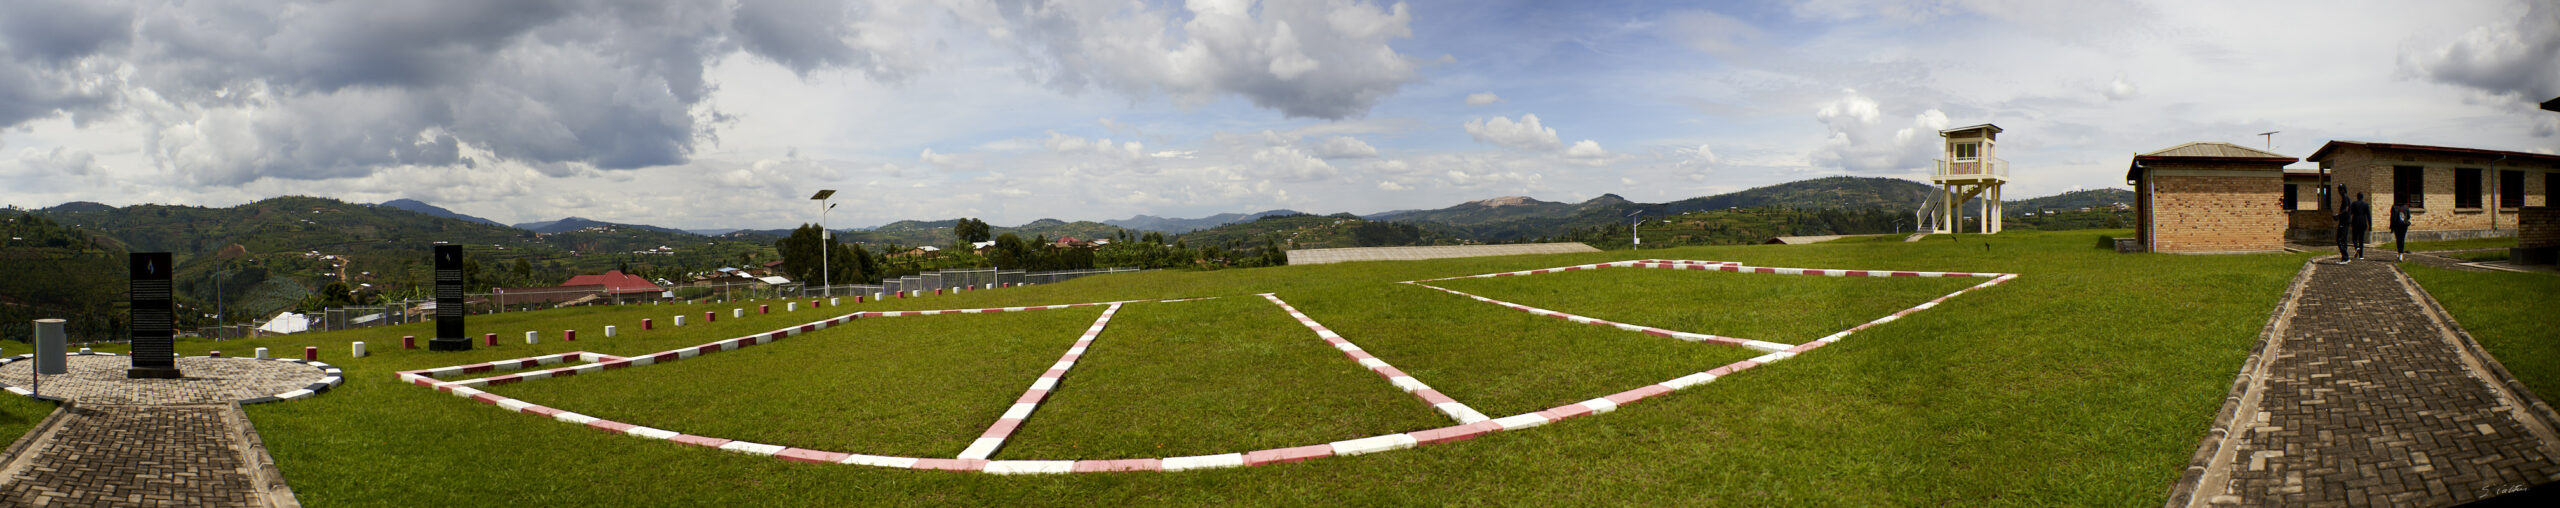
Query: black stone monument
449 333
154 319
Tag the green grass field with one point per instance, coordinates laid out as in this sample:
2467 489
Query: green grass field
2515 329
2088 380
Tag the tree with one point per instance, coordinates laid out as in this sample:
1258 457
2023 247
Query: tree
972 230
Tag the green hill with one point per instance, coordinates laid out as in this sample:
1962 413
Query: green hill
1315 232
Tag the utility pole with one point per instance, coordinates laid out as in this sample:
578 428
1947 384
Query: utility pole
1631 230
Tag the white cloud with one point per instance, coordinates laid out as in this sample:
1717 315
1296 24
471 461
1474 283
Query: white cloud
2517 59
1524 134
1319 59
1290 164
1343 147
1482 98
1392 186
1862 141
1712 33
2121 90
1586 149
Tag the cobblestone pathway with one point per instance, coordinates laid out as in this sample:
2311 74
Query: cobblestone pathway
149 442
2368 399
134 456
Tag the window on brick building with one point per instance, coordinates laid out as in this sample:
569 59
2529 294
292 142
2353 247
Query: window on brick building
2510 188
2466 188
2292 195
2409 185
1967 152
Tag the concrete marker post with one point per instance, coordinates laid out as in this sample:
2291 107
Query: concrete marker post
311 353
213 354
679 320
358 347
737 313
491 339
608 331
569 335
408 342
262 353
533 337
648 324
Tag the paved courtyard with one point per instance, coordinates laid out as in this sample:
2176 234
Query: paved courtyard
2366 396
100 379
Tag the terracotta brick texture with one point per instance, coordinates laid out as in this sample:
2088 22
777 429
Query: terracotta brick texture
2371 171
2197 214
2538 227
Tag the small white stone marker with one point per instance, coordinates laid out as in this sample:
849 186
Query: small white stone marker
608 331
262 353
679 320
791 307
84 350
831 302
737 313
358 346
533 337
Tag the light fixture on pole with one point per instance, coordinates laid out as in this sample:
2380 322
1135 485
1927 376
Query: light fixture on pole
1631 229
826 278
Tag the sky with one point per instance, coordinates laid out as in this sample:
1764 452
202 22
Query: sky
731 113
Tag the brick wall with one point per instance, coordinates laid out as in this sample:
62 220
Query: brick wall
2310 219
2217 213
2538 226
2370 171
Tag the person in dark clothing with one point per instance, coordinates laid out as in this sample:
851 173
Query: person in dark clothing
2363 226
2400 228
2344 218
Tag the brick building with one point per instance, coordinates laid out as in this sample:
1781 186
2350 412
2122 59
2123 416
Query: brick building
2204 197
2454 193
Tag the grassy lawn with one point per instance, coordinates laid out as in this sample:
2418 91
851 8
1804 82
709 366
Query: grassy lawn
2509 314
2475 243
1789 309
2479 256
2086 381
919 386
1210 377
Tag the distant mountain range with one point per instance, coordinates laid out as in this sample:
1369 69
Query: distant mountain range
578 223
1179 226
433 210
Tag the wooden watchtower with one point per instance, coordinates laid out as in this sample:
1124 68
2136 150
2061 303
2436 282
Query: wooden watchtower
1972 168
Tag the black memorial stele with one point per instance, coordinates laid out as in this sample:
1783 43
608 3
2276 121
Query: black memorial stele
449 333
154 318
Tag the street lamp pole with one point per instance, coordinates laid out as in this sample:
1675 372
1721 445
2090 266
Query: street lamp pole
1631 229
826 276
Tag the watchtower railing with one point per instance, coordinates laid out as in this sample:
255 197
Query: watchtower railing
1967 169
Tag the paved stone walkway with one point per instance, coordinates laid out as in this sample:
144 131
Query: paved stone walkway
134 456
2366 396
150 442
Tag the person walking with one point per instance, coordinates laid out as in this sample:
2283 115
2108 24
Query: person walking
2344 218
2363 211
2400 229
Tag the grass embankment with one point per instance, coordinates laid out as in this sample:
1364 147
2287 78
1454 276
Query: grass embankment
2509 313
2086 381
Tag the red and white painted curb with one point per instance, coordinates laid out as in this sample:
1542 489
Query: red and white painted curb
994 437
974 459
1456 410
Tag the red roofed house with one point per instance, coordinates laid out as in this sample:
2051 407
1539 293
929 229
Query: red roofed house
621 287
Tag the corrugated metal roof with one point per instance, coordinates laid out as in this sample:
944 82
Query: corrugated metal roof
1995 129
2214 149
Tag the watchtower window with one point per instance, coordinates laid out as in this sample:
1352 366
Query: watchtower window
1968 151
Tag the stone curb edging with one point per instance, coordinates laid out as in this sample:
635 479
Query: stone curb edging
2253 371
1402 381
1346 447
993 439
264 476
37 433
332 376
